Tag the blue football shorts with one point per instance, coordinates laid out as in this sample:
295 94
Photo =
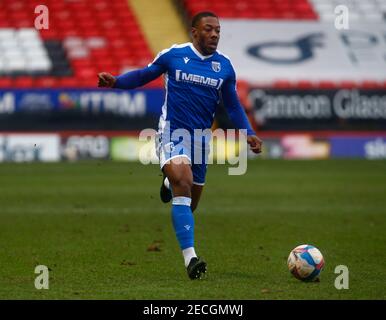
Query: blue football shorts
195 150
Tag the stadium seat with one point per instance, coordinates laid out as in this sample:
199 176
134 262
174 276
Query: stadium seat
283 84
348 84
5 82
23 82
305 84
326 84
371 84
41 63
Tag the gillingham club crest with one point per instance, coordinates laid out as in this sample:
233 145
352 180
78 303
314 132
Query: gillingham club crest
216 66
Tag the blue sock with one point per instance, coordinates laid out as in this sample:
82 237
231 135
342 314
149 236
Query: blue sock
183 221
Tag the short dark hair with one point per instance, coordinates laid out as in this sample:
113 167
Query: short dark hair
196 19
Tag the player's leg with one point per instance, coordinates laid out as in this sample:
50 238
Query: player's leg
166 193
165 190
196 195
199 174
197 265
180 176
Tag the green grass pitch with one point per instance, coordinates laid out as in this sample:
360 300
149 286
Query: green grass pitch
104 234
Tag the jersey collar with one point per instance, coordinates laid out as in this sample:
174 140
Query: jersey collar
202 57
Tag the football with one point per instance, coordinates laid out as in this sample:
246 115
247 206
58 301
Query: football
305 262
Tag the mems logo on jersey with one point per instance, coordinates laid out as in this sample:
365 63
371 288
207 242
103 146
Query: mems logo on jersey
197 79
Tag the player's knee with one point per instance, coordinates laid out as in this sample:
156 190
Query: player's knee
184 186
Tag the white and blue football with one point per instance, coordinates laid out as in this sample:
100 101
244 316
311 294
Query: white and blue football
305 262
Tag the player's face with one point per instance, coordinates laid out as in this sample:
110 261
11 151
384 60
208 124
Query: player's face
207 34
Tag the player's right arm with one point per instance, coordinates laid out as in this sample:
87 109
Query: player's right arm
135 78
130 80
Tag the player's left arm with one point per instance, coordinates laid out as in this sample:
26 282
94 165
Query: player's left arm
237 113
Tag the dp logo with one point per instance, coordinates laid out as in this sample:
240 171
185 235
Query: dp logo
305 47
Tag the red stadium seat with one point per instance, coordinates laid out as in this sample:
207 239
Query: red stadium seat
86 72
348 84
24 82
370 84
283 84
5 82
68 82
46 82
50 34
305 84
327 84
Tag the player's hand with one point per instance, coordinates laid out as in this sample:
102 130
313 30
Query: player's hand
255 143
106 80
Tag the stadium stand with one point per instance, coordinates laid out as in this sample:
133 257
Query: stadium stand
87 36
84 37
254 9
369 10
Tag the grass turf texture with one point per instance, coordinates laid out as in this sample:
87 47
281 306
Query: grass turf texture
92 224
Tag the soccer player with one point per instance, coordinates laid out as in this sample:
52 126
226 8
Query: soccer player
197 76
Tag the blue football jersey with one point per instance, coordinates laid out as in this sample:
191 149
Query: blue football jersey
194 86
193 83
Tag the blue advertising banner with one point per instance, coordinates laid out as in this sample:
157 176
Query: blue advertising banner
133 103
358 147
